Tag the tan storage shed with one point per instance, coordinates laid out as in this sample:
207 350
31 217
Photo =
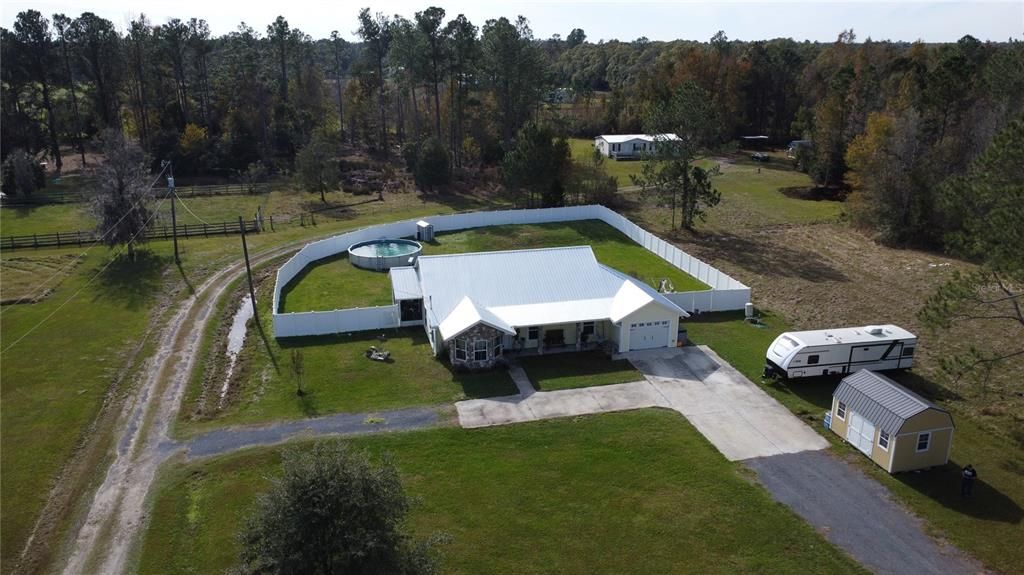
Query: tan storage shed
898 429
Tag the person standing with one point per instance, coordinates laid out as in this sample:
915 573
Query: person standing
967 480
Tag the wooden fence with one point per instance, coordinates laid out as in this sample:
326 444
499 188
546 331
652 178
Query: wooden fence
73 196
80 238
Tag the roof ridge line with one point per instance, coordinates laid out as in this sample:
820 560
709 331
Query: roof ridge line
463 254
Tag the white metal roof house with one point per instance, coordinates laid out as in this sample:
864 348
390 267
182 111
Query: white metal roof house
630 146
477 305
898 429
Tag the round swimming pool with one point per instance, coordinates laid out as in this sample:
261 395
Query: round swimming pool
382 255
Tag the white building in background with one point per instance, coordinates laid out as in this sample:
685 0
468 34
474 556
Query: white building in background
630 146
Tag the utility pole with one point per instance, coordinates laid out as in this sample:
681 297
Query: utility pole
174 217
248 270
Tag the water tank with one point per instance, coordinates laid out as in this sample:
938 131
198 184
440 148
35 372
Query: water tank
424 231
748 310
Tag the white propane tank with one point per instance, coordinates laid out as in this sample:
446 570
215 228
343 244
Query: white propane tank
748 311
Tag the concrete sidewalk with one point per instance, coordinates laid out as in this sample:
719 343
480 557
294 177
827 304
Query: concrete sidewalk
740 419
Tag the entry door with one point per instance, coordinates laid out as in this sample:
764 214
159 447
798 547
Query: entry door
648 335
861 433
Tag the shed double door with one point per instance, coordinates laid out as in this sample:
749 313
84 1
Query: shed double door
860 432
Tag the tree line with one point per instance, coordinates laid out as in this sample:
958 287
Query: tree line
892 120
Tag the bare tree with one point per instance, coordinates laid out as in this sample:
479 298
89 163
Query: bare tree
123 191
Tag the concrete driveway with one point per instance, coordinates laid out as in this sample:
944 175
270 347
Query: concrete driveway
734 414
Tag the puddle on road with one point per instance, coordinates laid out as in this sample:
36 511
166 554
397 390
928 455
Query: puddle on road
236 337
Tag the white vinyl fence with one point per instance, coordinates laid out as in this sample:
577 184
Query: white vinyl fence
725 294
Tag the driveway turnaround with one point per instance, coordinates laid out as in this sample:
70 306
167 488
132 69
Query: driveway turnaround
857 514
225 440
740 419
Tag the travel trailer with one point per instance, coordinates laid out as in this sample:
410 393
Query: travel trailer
840 351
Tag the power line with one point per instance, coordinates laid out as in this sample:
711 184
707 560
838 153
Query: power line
189 210
141 230
60 271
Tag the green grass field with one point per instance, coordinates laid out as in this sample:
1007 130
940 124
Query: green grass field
53 381
333 283
582 369
635 492
45 219
989 526
622 170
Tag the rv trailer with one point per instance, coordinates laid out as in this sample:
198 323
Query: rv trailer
840 351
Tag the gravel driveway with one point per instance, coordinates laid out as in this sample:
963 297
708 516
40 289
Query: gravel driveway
857 514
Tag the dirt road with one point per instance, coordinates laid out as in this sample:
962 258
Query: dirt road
116 512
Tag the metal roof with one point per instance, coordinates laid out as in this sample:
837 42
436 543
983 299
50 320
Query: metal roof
530 287
466 315
881 400
405 284
622 138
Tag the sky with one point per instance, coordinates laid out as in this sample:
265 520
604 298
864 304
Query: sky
930 21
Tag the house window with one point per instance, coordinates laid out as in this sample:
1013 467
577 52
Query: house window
588 328
460 348
924 441
841 411
812 359
908 351
480 350
533 333
883 440
496 346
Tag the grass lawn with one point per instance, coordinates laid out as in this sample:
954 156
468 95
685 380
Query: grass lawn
339 378
582 369
634 492
990 526
45 219
333 283
53 382
622 169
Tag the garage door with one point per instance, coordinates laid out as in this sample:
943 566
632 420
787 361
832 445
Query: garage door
861 433
648 335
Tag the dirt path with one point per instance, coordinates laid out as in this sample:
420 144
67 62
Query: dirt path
116 511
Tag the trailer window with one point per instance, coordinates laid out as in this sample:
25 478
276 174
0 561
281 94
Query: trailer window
784 345
908 351
812 359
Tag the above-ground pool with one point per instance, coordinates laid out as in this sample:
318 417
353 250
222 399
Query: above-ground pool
382 255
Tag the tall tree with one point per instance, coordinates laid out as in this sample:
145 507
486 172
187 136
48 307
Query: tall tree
537 165
62 23
575 38
988 204
682 124
333 511
338 50
201 47
97 44
32 32
280 35
429 24
465 50
316 165
173 37
375 30
123 192
515 69
140 50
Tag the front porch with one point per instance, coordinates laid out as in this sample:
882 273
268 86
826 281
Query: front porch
561 338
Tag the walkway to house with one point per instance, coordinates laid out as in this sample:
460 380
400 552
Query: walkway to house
232 438
737 417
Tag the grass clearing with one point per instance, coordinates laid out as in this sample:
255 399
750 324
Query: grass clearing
988 526
339 378
53 382
583 149
45 219
634 492
333 283
579 369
